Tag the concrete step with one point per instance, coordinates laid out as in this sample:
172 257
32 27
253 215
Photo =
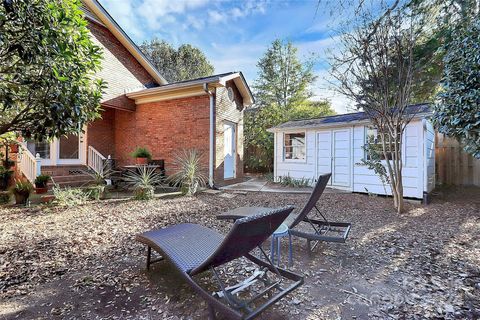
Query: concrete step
73 184
71 178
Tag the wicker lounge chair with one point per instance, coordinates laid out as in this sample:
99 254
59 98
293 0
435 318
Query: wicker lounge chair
321 229
194 249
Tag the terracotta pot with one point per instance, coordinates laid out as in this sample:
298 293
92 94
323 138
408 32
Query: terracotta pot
141 161
41 190
47 199
14 148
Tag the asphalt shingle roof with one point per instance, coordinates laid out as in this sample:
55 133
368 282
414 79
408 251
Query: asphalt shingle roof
344 118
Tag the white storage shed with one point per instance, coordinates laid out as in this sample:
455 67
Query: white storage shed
309 148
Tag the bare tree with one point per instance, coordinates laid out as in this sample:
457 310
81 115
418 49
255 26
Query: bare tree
376 70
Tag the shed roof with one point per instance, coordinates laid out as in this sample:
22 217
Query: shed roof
417 109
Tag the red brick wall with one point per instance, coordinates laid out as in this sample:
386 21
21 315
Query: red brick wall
164 128
119 68
101 133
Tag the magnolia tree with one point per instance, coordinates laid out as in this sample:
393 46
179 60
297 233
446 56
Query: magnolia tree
457 112
47 69
376 70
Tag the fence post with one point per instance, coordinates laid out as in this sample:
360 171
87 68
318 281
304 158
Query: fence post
38 165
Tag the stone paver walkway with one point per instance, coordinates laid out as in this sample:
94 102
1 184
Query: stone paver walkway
258 184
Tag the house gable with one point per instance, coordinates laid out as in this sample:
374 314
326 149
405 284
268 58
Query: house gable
120 69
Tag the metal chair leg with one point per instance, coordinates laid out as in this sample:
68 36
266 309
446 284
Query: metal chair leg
290 258
149 257
279 242
272 250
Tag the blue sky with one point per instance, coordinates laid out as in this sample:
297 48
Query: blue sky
235 34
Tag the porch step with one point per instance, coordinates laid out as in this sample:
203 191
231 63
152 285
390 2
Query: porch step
64 170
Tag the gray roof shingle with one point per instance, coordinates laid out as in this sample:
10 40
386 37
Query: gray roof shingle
344 118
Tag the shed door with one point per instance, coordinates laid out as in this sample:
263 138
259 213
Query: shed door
324 153
229 151
334 155
341 157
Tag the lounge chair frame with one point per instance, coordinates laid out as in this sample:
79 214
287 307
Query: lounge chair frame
322 228
246 235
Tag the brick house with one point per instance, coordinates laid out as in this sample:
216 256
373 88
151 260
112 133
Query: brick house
141 109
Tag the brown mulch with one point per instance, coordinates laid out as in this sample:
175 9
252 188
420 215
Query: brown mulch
83 262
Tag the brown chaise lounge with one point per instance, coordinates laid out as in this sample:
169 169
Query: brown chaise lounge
320 229
194 249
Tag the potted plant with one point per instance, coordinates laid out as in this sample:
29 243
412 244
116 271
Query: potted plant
14 147
41 184
141 155
5 175
21 190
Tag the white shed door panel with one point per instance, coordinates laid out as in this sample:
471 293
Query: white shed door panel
324 153
334 155
341 157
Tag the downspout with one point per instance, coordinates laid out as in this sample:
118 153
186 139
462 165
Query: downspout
212 137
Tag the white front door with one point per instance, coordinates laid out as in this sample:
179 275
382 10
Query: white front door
229 149
334 155
65 150
70 149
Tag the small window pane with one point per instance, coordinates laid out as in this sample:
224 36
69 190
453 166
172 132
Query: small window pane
40 147
294 146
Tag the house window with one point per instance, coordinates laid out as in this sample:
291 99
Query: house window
374 140
40 147
294 146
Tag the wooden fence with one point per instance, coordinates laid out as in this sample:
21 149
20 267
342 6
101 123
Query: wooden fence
452 165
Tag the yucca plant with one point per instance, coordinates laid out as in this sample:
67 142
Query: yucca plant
143 181
190 174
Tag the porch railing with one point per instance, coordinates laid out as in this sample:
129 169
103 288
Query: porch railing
30 165
95 160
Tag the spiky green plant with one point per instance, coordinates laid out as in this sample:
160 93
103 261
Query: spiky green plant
143 181
189 175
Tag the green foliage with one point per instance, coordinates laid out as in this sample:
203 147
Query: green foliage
5 175
310 110
141 152
100 178
143 181
47 66
288 181
189 175
457 112
96 192
185 63
282 90
69 197
42 180
4 197
283 79
22 187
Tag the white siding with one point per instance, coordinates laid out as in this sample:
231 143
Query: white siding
429 162
295 168
319 153
365 179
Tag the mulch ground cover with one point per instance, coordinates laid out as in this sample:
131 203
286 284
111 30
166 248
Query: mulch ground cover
83 262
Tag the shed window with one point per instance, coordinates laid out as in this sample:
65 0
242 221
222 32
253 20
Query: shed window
374 139
294 146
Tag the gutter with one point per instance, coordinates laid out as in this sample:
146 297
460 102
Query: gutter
211 136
